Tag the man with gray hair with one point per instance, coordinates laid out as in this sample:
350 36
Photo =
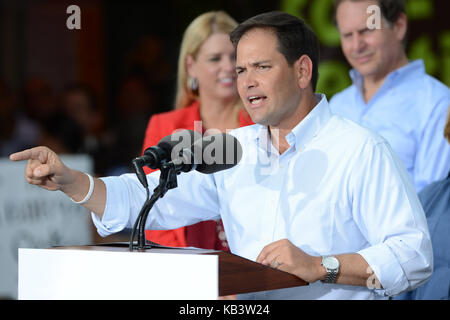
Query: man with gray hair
391 95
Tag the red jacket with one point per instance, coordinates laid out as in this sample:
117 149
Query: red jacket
206 234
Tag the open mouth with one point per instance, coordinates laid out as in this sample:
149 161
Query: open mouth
256 100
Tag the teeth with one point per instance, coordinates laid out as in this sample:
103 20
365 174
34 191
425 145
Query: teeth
255 100
226 80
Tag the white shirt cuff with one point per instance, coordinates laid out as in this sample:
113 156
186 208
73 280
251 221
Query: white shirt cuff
116 200
386 268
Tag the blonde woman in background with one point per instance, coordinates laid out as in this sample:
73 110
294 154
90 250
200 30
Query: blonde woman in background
206 92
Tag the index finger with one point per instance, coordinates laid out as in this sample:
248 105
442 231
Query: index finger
32 153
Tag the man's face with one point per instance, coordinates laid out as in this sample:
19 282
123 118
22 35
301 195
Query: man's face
371 52
266 83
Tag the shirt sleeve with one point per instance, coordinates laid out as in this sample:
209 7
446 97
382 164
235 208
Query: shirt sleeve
194 200
388 212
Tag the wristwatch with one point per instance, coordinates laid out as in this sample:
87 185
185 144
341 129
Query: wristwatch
331 265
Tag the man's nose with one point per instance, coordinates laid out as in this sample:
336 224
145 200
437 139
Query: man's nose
248 80
358 42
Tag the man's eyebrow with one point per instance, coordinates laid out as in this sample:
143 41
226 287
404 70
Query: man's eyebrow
363 29
254 64
257 63
359 30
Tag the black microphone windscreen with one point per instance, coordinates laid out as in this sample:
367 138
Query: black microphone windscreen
181 139
216 152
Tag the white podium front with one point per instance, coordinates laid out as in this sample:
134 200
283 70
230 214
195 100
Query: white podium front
117 274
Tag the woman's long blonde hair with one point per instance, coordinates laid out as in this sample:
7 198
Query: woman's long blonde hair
195 35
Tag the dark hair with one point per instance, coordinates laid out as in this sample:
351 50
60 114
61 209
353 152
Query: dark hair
65 129
83 89
390 9
294 37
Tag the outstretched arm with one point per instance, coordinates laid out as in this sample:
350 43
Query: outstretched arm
46 170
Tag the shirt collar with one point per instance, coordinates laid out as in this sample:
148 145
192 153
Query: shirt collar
304 131
408 71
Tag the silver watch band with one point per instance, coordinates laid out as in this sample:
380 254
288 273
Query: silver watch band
331 276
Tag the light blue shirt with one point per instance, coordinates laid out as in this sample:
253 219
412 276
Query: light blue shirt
339 188
435 199
409 111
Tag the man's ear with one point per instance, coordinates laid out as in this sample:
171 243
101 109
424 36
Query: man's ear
401 26
303 68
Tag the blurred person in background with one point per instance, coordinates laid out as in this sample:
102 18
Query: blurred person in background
149 59
206 92
39 100
17 131
61 133
390 94
435 199
135 104
79 103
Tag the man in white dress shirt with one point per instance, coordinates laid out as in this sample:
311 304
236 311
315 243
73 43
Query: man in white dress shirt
314 195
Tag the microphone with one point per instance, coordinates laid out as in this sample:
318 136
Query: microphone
209 155
176 141
166 149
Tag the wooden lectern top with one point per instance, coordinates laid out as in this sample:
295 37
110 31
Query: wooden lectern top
236 274
240 275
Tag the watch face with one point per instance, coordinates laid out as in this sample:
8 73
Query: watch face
331 262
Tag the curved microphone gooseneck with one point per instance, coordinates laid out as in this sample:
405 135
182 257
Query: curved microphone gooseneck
167 181
227 153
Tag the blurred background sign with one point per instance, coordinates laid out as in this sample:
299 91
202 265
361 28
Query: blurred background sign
31 217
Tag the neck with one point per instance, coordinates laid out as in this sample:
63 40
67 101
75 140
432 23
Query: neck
219 114
278 133
373 83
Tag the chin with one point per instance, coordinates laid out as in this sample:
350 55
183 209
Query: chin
259 120
367 69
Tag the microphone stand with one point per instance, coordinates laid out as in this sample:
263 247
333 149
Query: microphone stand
167 181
